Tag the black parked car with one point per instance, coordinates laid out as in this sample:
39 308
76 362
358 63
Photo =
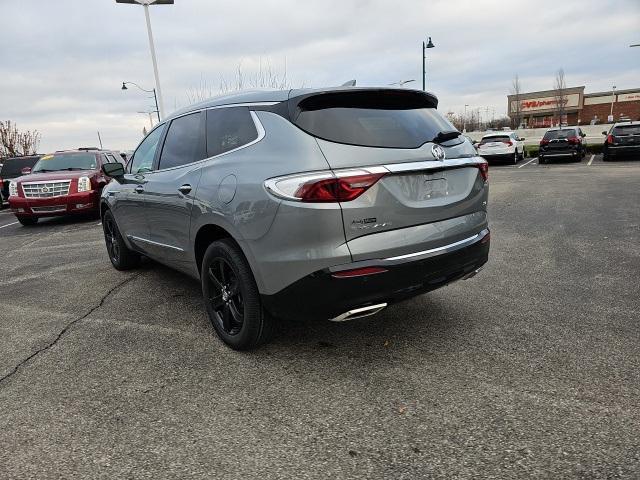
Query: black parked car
622 140
12 168
562 142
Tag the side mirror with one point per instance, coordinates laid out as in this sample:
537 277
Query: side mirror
522 139
114 170
25 171
604 133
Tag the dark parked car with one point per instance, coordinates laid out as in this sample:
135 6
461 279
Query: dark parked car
314 204
12 168
623 140
562 142
61 183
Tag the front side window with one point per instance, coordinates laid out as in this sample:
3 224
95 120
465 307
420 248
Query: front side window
142 160
66 161
228 129
184 142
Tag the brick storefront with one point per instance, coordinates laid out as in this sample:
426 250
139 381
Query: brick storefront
538 108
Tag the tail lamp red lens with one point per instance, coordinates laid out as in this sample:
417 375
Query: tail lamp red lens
508 142
610 139
573 140
544 141
359 272
484 170
339 189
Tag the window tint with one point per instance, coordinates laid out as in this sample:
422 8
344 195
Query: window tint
66 161
143 157
392 119
496 138
229 128
564 133
13 166
626 130
184 142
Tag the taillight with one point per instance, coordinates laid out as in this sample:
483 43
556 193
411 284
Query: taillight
484 170
508 142
359 272
327 186
573 140
544 141
610 139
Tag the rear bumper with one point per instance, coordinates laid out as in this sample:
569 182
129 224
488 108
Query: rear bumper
56 206
498 157
558 153
623 151
322 296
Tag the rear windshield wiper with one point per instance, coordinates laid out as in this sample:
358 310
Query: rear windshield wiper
445 136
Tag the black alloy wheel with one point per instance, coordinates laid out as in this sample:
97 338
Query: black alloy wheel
122 258
231 297
225 296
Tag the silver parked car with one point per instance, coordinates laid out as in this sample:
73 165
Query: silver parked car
320 204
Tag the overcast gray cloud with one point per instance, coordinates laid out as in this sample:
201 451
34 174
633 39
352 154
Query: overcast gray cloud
62 62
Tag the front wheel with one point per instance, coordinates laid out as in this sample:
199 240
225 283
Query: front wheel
122 258
28 221
231 297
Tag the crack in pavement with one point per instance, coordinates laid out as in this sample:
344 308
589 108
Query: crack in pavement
67 327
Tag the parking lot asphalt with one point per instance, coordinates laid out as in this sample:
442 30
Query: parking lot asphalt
529 370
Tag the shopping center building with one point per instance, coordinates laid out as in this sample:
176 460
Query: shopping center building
538 109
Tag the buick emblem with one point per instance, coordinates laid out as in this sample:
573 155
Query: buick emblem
438 152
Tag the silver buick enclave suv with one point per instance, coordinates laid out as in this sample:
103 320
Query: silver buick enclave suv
321 204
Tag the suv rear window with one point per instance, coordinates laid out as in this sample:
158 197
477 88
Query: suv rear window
372 119
12 166
626 130
564 133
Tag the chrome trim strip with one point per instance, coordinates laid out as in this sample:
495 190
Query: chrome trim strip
144 240
444 249
399 259
359 312
261 135
433 164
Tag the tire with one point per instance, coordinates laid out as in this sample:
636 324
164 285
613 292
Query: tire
232 299
122 258
27 221
515 157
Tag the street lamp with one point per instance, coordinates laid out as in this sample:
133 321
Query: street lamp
402 82
145 4
429 44
464 119
153 90
613 99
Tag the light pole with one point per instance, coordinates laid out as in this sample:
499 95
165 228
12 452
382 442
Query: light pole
429 44
464 119
613 99
402 82
145 4
153 90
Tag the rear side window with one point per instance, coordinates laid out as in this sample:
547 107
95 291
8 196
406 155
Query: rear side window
373 119
564 133
184 142
228 129
626 130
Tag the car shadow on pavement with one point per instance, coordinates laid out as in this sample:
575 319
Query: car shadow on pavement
48 222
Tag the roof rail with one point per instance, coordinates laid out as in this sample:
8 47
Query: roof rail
88 148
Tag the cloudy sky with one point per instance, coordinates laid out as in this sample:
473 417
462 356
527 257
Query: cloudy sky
62 62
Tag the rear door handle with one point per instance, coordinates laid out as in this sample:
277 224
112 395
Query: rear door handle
139 189
184 189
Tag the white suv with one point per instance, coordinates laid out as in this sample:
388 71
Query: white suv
504 146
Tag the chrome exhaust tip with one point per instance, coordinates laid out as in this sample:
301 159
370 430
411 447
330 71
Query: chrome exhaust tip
359 313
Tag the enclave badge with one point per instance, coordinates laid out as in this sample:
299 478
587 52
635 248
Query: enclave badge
438 152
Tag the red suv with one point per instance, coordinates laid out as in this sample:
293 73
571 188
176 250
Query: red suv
61 183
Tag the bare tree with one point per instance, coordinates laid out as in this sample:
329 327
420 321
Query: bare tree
560 94
264 77
13 142
516 91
